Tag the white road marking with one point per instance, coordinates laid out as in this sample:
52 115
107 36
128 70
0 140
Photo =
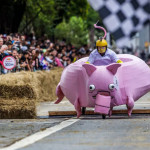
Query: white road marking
40 135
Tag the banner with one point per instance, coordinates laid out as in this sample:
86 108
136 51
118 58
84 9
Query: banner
9 62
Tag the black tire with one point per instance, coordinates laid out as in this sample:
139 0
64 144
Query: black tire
83 110
104 116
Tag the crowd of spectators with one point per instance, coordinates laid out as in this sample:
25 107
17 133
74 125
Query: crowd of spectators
33 54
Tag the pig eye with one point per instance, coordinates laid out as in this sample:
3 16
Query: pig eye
111 86
92 87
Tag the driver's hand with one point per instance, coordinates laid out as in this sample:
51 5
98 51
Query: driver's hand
119 61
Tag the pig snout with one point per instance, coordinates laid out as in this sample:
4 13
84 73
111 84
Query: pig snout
102 104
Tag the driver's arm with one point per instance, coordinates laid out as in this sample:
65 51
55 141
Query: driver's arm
115 58
91 59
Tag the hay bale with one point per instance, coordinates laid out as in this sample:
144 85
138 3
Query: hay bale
15 91
20 92
40 85
17 109
46 90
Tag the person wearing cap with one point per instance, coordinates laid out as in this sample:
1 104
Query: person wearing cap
102 55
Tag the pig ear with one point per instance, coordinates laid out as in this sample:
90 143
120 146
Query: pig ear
89 68
113 68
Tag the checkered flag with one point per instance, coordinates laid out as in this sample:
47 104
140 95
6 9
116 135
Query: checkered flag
123 18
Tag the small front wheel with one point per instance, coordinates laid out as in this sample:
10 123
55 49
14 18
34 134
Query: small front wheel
83 110
104 116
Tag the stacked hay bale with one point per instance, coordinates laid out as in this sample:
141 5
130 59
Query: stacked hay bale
20 92
17 101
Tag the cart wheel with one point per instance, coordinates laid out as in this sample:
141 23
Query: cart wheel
104 116
83 110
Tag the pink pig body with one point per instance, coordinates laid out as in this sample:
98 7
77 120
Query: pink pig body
104 87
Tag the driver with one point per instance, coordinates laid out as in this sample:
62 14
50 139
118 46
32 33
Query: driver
102 55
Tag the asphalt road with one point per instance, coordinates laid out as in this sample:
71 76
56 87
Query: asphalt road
92 132
15 130
89 132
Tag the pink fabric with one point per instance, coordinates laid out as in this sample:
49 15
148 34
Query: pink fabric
58 62
125 83
101 110
103 100
102 104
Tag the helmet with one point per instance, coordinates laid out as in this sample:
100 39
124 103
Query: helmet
101 43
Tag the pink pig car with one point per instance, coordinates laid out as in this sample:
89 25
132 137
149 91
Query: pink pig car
104 87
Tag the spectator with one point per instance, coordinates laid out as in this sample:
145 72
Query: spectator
15 55
34 54
36 61
1 42
3 53
24 62
82 50
143 55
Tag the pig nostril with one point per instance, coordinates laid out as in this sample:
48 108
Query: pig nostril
94 97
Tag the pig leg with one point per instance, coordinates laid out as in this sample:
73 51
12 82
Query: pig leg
110 112
78 108
60 94
130 105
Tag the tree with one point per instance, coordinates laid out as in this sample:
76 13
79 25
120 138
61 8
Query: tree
56 18
62 31
74 32
43 16
77 8
78 31
11 13
39 15
92 18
